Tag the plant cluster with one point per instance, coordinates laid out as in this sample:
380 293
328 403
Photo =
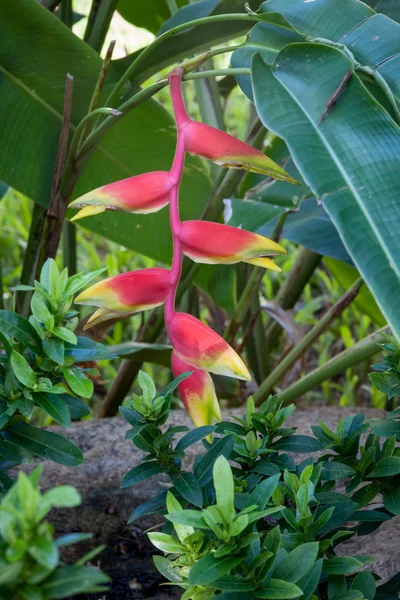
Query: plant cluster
30 564
269 525
42 367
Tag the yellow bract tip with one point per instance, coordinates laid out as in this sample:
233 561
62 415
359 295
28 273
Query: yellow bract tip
266 263
89 211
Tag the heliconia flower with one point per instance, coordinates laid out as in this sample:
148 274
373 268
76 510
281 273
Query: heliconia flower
227 151
126 294
200 347
141 194
197 392
214 243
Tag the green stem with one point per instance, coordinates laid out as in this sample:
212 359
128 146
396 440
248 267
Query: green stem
172 6
295 354
292 288
31 257
165 36
69 248
366 348
66 13
252 285
100 16
1 288
82 126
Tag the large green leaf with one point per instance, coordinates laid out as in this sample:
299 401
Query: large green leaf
349 160
373 39
149 14
390 8
184 44
36 52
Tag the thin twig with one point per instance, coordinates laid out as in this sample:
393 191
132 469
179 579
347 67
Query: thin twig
55 201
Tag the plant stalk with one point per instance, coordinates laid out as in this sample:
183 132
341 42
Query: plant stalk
295 354
100 16
366 348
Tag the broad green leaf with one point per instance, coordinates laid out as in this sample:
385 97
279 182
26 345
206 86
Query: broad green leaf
32 82
65 334
346 275
386 467
344 509
298 443
173 505
231 584
141 472
188 487
263 491
22 371
46 444
193 40
62 496
386 428
191 518
309 582
148 386
207 569
78 382
67 581
55 406
390 8
44 551
41 311
16 326
297 563
149 507
291 96
76 407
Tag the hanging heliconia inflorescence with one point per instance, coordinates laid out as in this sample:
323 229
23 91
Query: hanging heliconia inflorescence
196 347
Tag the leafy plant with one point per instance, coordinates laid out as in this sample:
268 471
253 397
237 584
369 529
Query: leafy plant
39 370
29 555
239 528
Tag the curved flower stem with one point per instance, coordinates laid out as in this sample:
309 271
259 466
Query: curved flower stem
182 119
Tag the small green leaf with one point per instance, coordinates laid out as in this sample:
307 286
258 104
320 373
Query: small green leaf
224 488
365 583
341 565
208 569
386 467
165 542
297 563
194 436
41 311
164 566
173 506
391 500
298 443
276 589
55 406
79 384
221 447
148 386
81 280
45 444
63 496
188 487
190 518
22 371
141 472
65 334
54 349
67 581
332 470
14 325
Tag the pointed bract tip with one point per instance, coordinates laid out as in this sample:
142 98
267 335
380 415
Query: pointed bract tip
88 211
266 263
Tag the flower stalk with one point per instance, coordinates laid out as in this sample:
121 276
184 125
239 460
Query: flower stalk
197 349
